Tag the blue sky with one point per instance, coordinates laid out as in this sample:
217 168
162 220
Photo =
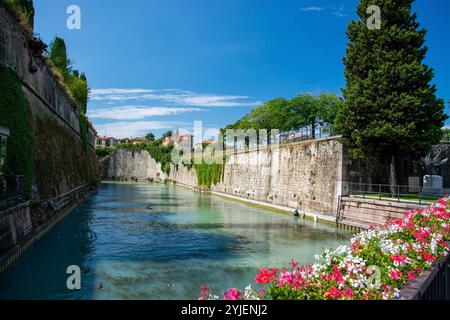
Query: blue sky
156 65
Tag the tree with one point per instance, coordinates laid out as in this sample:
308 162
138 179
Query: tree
303 111
75 81
167 134
150 137
390 108
58 56
311 111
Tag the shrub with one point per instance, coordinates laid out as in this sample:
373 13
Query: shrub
22 11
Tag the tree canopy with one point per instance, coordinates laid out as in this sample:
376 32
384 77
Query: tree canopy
305 110
390 107
150 137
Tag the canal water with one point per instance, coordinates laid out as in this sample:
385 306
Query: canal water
165 251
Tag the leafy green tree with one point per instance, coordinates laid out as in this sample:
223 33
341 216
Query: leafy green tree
303 111
390 107
311 111
329 105
150 137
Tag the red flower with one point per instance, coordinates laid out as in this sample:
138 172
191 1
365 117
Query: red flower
334 293
266 276
429 257
399 258
422 234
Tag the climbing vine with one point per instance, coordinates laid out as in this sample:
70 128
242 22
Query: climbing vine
19 156
84 131
209 174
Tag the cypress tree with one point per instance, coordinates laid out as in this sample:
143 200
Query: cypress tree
390 108
58 56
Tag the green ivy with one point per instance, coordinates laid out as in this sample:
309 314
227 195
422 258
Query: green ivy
209 174
160 153
84 131
19 157
104 151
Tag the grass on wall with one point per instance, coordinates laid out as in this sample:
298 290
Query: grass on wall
19 157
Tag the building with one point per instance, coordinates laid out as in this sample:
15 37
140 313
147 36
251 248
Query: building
138 140
167 141
204 143
106 142
184 141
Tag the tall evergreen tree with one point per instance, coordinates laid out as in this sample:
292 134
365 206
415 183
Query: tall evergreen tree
58 56
390 108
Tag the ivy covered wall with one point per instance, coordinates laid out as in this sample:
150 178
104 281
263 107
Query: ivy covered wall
62 159
13 116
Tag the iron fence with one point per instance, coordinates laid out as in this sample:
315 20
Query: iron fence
438 288
399 193
320 132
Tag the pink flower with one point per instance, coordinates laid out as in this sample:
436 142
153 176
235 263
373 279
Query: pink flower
294 265
395 274
411 276
399 259
336 275
204 290
348 293
232 294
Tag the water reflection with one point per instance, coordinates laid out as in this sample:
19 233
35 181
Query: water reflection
184 241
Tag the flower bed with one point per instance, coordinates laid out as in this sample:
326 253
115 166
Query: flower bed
376 266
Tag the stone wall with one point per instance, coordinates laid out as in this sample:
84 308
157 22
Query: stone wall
60 160
305 175
126 165
364 213
15 52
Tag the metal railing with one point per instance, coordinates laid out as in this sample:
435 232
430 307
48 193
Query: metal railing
305 134
433 285
399 193
439 286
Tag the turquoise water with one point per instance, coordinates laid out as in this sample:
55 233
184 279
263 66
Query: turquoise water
185 240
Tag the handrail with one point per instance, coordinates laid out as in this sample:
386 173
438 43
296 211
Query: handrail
399 193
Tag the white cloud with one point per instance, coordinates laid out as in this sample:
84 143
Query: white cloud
313 8
338 12
137 112
171 97
127 129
